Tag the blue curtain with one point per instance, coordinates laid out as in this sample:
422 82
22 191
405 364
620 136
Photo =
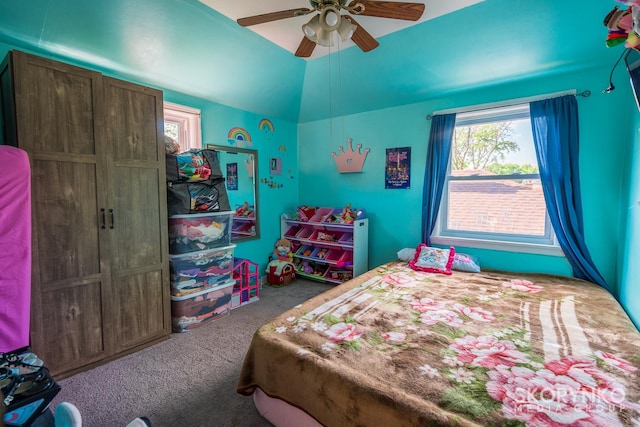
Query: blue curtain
438 152
555 134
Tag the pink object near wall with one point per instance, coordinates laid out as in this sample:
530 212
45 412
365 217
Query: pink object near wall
15 248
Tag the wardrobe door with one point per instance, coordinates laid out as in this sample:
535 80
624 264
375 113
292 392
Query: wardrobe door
137 214
56 118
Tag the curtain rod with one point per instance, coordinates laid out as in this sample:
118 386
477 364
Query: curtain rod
584 94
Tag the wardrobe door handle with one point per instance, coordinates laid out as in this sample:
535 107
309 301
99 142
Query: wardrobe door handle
111 214
104 220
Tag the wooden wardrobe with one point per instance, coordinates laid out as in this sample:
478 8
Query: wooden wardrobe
100 271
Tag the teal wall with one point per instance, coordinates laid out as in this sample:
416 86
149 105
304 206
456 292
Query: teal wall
630 238
395 215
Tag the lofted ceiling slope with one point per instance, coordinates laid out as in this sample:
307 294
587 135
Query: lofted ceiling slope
188 47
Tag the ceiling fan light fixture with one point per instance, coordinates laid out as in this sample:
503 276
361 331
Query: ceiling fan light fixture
312 28
325 38
330 18
346 29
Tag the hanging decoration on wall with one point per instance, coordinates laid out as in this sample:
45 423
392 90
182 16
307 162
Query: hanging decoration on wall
239 137
266 126
249 164
624 25
397 168
271 183
350 160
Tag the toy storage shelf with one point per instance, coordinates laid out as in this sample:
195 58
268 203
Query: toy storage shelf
327 251
243 226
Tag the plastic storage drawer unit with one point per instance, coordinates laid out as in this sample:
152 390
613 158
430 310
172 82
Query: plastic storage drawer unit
196 271
198 232
192 310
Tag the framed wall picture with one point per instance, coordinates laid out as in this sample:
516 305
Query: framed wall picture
275 166
397 172
232 176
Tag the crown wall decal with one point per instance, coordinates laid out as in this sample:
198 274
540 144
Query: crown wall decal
350 160
249 164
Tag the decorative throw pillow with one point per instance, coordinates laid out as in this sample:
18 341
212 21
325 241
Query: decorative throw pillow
464 262
433 260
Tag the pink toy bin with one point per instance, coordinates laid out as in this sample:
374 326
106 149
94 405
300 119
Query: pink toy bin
334 255
346 238
291 232
304 233
321 215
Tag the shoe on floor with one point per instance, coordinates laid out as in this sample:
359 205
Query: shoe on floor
67 415
140 422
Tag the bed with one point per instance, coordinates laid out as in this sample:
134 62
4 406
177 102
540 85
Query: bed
400 347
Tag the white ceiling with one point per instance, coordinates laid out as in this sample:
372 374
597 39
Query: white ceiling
287 33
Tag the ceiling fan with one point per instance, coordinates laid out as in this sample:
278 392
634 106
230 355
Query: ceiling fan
329 20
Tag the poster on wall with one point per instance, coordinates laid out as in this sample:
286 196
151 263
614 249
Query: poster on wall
397 168
232 176
275 166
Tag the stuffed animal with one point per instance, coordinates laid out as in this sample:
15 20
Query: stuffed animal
306 268
282 251
630 2
244 209
624 27
347 214
171 146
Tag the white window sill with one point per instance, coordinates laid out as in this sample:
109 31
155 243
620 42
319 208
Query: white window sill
527 248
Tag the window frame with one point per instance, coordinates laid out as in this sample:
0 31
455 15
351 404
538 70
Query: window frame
546 244
189 122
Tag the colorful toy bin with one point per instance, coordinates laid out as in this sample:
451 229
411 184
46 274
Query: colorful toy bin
198 232
196 271
193 310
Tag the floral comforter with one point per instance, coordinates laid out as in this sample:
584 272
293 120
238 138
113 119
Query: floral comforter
398 347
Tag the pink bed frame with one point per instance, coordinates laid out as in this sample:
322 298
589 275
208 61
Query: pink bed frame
15 248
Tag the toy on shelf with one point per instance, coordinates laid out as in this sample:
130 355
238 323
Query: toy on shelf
322 253
305 213
327 237
347 216
244 210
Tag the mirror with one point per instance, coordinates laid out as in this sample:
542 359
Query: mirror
240 169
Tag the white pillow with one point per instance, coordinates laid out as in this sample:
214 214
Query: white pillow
407 254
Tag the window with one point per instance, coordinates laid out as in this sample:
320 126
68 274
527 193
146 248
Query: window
492 196
183 125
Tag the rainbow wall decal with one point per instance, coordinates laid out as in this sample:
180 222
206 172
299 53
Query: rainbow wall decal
266 125
239 137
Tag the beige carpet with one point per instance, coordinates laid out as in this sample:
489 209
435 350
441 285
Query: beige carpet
188 380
